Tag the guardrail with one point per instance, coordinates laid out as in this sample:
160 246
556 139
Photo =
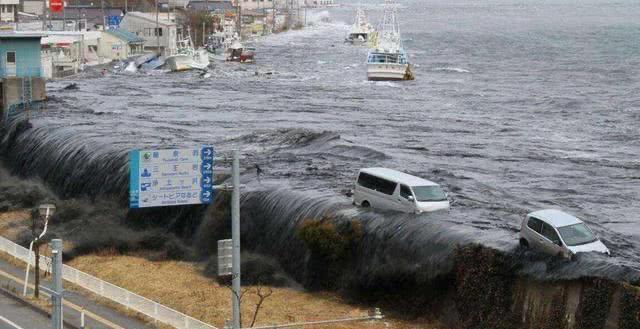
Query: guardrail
112 292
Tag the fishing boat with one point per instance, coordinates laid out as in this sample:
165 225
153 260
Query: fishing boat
361 29
188 58
387 60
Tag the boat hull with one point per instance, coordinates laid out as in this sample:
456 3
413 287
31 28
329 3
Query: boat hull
387 72
178 63
184 62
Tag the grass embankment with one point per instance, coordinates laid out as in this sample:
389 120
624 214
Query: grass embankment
181 285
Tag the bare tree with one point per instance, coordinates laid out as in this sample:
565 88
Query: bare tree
263 293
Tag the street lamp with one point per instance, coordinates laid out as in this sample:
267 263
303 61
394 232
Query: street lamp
45 211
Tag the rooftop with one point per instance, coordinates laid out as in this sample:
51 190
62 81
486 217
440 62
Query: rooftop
398 176
151 17
22 34
126 35
555 217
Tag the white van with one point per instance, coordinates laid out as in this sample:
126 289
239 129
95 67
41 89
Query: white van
390 189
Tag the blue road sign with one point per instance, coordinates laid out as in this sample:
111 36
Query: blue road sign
160 178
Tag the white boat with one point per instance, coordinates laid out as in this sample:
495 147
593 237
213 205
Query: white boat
387 59
361 30
188 58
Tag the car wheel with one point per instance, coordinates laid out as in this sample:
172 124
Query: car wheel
365 204
524 243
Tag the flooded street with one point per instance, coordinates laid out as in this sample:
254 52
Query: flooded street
515 107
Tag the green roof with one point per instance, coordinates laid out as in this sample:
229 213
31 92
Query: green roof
125 35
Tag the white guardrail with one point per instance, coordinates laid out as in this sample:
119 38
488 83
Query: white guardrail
114 293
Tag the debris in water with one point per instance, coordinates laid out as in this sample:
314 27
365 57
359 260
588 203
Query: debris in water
73 86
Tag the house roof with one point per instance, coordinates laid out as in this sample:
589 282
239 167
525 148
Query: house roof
125 35
21 35
150 17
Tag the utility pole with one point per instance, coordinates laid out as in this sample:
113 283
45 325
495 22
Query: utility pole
104 18
235 236
56 273
36 289
158 28
44 17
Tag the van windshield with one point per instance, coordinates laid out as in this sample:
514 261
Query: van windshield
429 193
574 235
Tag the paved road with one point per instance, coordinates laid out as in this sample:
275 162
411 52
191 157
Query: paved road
109 318
16 315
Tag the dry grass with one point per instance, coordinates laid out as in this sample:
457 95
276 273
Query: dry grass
12 223
180 286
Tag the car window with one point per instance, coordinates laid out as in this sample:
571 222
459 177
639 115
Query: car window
535 224
376 183
405 191
550 233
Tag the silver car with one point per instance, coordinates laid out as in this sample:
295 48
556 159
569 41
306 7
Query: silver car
557 233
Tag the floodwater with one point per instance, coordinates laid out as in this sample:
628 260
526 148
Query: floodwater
516 106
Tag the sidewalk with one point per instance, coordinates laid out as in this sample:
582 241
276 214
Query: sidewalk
96 315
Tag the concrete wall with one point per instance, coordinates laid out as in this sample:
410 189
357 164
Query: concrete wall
12 94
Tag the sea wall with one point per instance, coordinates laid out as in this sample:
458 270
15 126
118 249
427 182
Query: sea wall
411 266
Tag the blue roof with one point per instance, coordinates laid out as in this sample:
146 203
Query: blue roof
123 34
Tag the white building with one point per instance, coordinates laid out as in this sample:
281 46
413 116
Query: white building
320 3
8 10
255 4
144 26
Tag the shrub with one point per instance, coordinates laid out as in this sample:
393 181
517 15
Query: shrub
331 246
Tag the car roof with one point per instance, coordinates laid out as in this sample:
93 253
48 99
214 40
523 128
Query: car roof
556 218
398 176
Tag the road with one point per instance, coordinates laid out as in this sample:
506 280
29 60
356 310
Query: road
16 315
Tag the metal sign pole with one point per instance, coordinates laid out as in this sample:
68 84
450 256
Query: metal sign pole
56 273
235 236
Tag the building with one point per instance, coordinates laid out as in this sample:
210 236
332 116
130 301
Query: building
144 26
20 54
20 71
120 44
255 4
219 6
320 3
9 11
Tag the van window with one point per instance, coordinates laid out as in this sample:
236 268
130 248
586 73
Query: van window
549 233
535 224
405 191
376 183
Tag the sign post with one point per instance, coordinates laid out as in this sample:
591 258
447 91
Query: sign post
171 177
235 236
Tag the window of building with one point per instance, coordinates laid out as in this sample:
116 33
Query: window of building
11 57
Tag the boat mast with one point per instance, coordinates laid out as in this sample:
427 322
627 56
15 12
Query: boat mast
390 31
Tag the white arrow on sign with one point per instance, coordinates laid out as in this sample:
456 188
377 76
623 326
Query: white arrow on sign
207 194
207 151
207 166
207 180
